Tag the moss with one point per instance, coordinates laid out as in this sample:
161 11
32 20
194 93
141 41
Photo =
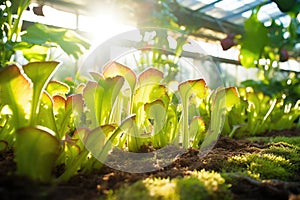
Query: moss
191 188
288 151
262 166
197 185
290 140
136 191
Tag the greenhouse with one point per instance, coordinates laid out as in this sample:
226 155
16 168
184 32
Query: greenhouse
150 99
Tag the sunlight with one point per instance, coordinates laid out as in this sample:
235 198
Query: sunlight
101 27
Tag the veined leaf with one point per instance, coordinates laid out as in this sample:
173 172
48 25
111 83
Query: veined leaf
69 41
157 111
94 141
89 96
100 98
150 76
16 92
192 87
232 97
116 69
57 88
36 152
58 104
40 74
149 93
35 53
73 111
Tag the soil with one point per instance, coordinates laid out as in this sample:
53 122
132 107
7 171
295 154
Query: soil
97 184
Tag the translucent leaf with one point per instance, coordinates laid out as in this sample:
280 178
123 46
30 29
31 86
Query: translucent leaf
16 92
116 69
40 74
97 76
197 130
46 113
254 41
68 40
150 76
157 111
58 104
187 89
35 53
100 98
36 152
232 97
57 88
195 87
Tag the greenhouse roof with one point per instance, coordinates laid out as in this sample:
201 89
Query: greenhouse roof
218 15
235 11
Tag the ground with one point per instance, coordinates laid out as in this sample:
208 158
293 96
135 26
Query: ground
245 164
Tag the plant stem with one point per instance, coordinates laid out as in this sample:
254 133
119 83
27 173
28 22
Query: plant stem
185 124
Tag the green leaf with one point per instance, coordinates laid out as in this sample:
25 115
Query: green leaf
16 92
40 74
96 139
72 112
100 98
57 88
129 126
35 53
150 76
195 87
254 41
217 117
157 111
116 69
232 97
197 131
36 152
68 40
46 113
187 89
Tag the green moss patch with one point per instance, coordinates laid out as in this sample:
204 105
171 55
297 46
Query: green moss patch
196 185
278 161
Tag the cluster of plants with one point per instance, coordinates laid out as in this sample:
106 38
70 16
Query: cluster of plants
48 128
255 113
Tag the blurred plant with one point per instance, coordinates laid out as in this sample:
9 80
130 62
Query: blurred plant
287 88
253 113
264 46
36 41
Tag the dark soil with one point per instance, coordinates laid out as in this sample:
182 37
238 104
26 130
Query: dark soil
97 184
